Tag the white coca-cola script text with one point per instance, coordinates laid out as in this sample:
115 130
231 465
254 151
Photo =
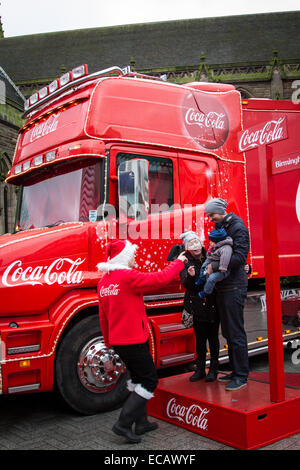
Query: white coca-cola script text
44 128
270 132
209 120
193 415
60 271
112 289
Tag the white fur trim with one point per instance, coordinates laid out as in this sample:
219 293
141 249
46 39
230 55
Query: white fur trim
130 385
143 392
107 267
120 261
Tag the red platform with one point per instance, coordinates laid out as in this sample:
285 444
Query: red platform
244 419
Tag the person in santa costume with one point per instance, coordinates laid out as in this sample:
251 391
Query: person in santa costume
124 326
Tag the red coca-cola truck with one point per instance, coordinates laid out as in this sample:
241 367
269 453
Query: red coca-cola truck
120 154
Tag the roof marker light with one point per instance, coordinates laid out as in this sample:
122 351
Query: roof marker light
43 92
33 99
50 156
26 165
64 79
38 160
18 169
79 71
26 105
53 86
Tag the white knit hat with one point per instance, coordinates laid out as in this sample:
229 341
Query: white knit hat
187 236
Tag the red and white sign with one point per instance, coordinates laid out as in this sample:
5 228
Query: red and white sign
44 128
206 122
60 271
286 163
194 415
263 134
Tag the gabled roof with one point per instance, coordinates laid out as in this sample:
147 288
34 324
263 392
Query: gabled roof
224 40
12 93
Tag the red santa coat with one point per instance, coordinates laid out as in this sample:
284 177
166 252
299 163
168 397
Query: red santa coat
122 312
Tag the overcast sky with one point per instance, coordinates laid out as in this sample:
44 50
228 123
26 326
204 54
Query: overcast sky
21 17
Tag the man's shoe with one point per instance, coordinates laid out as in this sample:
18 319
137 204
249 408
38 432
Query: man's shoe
236 384
212 375
198 375
226 378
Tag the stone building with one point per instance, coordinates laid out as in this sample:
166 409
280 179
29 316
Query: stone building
258 53
11 107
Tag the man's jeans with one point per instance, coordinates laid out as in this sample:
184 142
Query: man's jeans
231 308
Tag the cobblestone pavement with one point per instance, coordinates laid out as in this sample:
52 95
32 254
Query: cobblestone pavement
42 422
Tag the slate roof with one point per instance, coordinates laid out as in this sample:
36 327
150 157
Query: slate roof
224 40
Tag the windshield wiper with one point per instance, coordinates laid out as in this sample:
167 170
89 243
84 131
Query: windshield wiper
55 223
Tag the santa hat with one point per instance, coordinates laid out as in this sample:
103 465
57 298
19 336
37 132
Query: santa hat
118 253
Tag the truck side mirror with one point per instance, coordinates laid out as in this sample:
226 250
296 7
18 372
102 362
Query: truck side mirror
133 190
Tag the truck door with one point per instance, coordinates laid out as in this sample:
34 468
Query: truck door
160 230
198 182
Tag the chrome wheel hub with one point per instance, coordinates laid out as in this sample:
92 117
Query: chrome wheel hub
93 369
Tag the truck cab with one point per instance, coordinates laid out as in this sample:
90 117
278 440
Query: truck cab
112 154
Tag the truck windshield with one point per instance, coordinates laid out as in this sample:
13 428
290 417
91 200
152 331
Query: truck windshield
70 197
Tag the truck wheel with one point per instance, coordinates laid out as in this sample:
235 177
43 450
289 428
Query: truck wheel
80 376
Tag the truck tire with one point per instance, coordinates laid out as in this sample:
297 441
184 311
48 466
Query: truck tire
79 370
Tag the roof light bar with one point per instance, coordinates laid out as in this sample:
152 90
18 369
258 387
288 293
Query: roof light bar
77 75
64 80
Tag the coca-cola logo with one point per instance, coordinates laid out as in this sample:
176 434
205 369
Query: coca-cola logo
206 120
44 128
60 271
193 415
263 134
112 289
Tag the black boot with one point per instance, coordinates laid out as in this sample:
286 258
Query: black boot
213 371
142 424
131 411
199 372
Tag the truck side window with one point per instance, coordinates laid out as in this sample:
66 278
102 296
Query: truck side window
195 179
161 180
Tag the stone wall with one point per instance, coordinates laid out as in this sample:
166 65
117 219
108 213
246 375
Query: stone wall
8 192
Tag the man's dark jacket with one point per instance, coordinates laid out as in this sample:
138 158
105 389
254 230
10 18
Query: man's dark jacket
237 230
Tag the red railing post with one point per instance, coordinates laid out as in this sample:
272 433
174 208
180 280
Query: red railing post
272 275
